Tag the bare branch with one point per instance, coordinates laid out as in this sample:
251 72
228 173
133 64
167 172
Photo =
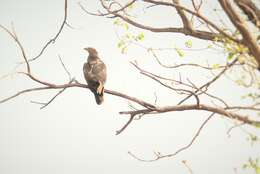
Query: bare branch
159 156
15 38
203 107
52 40
182 91
51 100
231 128
187 166
125 126
107 14
24 91
63 65
206 85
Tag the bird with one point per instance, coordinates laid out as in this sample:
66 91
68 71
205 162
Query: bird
95 73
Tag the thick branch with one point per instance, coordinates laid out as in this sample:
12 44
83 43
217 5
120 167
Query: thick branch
186 23
205 19
195 33
248 38
251 10
204 107
184 30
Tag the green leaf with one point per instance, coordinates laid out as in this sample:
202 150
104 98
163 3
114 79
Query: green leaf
126 26
188 44
124 50
120 44
180 52
215 66
116 22
230 56
140 36
245 166
131 6
128 35
257 170
257 124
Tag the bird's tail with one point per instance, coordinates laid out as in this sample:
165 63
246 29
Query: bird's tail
99 98
98 92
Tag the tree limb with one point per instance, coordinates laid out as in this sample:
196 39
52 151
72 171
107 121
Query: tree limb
248 39
160 156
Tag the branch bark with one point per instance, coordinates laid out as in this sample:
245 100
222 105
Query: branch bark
248 38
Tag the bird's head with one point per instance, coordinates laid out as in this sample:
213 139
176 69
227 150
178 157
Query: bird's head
91 51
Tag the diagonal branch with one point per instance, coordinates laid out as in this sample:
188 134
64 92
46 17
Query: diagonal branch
186 23
125 126
248 38
15 38
206 85
251 10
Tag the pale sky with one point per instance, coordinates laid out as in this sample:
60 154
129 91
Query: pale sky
73 134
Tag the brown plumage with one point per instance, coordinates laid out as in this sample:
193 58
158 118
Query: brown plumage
95 74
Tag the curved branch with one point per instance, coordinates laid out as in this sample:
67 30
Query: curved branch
195 33
159 156
15 38
52 40
176 5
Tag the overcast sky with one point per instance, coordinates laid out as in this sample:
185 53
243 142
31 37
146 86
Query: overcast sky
73 134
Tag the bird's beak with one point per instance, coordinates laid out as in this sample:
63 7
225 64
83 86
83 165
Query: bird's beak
86 49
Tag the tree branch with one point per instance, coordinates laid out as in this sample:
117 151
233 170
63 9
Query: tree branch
52 40
203 18
251 10
203 107
248 39
160 156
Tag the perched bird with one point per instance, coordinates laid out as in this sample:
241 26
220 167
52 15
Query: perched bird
95 74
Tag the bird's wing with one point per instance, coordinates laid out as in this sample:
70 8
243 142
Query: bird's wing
99 71
95 71
86 71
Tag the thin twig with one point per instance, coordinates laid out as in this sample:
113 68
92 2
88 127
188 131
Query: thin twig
125 126
159 156
206 85
52 40
64 67
231 128
184 162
